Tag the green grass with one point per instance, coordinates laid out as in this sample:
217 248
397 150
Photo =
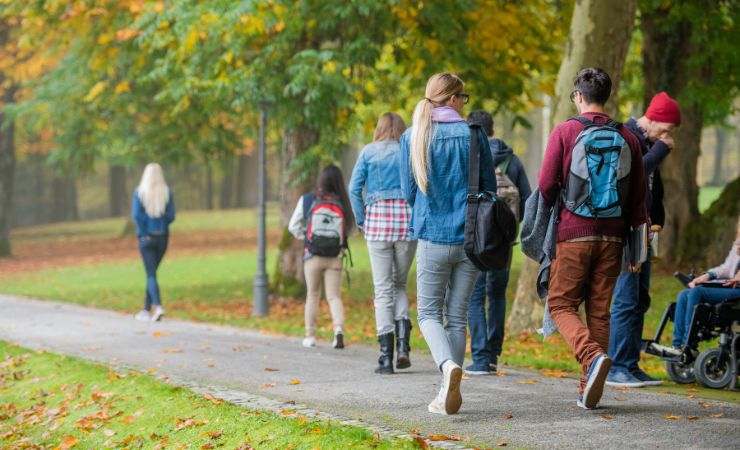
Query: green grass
48 399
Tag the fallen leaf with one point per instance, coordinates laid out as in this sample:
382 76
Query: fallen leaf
159 334
268 385
245 446
692 418
270 369
151 371
421 441
68 442
295 381
501 443
172 350
552 373
671 417
620 399
607 417
128 420
108 432
717 416
508 416
188 422
212 399
97 395
705 405
527 382
443 437
214 434
206 446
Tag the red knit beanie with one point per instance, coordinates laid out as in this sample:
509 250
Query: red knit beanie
664 109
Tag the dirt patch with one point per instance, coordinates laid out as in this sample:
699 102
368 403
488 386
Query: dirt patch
31 256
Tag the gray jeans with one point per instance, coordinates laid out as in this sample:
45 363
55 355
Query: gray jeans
390 262
444 280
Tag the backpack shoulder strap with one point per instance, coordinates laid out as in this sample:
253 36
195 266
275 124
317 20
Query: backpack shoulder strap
307 202
504 165
474 161
585 122
614 124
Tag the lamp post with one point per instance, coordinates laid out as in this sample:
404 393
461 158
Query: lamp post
260 304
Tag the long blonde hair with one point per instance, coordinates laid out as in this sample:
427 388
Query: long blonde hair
390 127
153 191
440 88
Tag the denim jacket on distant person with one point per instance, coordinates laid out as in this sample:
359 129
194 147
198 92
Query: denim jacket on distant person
152 226
377 173
439 215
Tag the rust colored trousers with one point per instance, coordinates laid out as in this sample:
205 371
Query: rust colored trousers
584 271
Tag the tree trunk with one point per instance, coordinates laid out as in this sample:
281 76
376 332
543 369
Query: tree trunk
288 279
719 153
39 199
209 187
227 183
246 179
7 170
585 48
666 48
117 195
64 192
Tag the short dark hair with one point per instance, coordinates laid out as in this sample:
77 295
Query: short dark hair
594 85
482 118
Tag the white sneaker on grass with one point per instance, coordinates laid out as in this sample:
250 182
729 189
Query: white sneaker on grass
157 313
309 341
143 316
449 399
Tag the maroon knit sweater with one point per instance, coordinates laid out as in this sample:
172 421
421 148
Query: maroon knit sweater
554 171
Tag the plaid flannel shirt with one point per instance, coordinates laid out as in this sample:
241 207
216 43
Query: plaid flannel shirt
388 220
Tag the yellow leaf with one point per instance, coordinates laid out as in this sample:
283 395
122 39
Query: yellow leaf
295 381
122 87
68 442
671 417
96 90
126 33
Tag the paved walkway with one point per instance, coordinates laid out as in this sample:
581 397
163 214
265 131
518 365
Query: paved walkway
521 408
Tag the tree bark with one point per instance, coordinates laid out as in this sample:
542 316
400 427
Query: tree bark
227 184
209 186
666 49
719 152
288 279
64 191
607 48
246 179
7 170
117 195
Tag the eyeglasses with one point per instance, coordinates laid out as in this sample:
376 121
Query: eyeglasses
465 97
573 94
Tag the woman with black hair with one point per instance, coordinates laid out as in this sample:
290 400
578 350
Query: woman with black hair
323 219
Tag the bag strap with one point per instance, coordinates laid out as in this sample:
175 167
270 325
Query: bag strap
307 202
474 161
504 165
585 122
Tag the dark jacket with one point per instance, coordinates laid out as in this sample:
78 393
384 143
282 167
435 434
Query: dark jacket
653 154
146 225
515 171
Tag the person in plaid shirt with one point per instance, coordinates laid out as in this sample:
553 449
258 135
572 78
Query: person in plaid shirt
384 217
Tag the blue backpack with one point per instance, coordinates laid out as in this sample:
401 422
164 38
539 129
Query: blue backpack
598 182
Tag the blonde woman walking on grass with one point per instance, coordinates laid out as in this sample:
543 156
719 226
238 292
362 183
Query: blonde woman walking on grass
153 210
434 177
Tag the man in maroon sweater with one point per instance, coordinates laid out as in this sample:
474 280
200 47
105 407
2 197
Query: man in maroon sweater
588 255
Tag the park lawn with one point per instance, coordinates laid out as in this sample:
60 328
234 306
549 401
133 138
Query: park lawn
54 401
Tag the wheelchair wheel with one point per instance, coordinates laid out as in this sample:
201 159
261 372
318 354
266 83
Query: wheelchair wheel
710 372
680 373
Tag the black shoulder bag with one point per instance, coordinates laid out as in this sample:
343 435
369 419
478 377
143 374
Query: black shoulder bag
490 226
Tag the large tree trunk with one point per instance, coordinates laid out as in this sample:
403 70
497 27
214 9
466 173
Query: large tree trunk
288 278
64 192
7 170
209 187
117 195
607 48
246 179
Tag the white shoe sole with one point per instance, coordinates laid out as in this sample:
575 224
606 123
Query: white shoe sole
477 372
625 385
652 383
452 397
595 387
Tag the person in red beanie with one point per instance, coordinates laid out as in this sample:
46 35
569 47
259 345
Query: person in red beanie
631 294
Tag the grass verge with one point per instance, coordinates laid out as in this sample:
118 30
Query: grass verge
48 400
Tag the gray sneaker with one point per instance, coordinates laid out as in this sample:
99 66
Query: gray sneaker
143 316
157 313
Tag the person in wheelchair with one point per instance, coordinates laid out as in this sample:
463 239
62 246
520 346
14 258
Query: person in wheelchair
717 285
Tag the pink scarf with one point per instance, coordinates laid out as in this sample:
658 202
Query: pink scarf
446 114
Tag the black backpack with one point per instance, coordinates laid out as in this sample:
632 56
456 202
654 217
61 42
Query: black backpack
490 225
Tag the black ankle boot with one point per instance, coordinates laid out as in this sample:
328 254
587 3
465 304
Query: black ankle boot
403 343
385 362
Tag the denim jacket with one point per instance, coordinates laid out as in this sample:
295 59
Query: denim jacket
145 225
376 171
439 215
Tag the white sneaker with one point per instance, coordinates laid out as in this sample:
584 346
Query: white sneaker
157 314
143 316
449 399
309 342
